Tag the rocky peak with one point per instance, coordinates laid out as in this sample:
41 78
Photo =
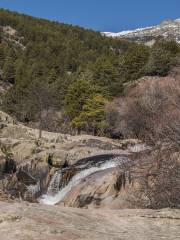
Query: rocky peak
168 29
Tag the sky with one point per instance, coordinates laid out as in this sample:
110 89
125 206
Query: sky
100 15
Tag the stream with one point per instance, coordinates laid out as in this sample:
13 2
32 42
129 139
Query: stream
57 190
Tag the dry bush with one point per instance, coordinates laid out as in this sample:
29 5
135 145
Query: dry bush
147 111
145 115
114 119
159 179
154 178
152 113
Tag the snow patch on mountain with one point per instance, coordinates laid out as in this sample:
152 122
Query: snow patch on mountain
124 33
168 29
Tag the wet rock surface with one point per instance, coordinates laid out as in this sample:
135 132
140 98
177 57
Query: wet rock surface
109 188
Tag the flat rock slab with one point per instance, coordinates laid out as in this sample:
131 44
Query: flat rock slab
23 221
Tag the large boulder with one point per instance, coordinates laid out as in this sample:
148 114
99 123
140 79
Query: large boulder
28 182
110 188
33 221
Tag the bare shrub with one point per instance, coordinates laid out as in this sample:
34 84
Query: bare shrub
113 119
145 115
171 133
160 179
150 111
155 179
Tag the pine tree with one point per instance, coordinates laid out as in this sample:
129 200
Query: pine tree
77 95
133 62
162 58
92 117
106 75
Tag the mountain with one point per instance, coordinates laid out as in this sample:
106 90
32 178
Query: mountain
61 84
61 77
169 30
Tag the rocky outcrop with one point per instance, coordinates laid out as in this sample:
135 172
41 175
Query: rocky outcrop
110 188
33 161
23 143
10 35
27 182
34 221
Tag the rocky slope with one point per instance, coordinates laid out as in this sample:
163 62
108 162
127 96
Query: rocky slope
10 35
27 164
32 221
24 144
169 30
75 171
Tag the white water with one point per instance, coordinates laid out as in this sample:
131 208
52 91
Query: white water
54 184
52 200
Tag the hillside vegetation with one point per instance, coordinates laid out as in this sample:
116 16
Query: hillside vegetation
62 76
66 79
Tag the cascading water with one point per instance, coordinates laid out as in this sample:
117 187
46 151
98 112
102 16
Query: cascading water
54 184
52 199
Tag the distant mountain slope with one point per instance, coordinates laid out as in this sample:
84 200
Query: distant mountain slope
169 29
58 47
47 68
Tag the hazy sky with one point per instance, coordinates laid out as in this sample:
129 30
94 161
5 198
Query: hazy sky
102 15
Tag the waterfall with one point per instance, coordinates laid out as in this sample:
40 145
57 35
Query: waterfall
54 184
53 199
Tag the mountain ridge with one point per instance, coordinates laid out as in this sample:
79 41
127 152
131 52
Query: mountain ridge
167 29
